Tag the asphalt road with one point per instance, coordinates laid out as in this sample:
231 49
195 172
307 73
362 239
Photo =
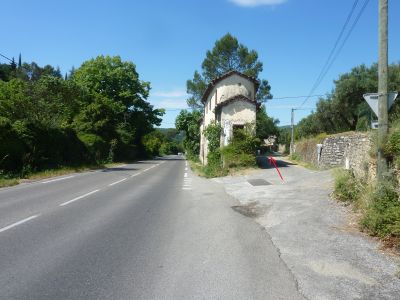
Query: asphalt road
149 230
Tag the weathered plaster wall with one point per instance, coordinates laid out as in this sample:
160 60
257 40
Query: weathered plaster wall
237 112
225 89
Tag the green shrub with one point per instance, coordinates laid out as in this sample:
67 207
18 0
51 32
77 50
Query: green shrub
392 146
95 145
234 157
214 165
382 217
347 188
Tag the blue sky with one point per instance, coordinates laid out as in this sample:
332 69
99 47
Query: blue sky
167 40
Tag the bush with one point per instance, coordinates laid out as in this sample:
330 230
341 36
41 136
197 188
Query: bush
214 166
233 157
347 188
97 148
392 146
382 217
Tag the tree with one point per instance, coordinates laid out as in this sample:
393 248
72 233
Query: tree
345 108
265 125
189 122
227 55
117 108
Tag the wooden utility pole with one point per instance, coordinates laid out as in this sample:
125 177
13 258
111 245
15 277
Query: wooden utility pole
382 87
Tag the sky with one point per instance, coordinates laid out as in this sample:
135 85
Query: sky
168 40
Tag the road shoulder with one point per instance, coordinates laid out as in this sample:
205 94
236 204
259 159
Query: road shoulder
311 233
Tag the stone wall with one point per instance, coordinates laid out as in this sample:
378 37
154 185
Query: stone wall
348 150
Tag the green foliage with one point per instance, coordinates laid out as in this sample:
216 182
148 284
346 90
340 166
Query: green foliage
152 143
265 125
214 166
213 135
99 113
227 55
380 204
189 122
241 151
345 109
347 188
382 218
392 146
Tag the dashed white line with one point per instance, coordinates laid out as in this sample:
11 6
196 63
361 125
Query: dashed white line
186 175
78 198
114 183
18 223
57 179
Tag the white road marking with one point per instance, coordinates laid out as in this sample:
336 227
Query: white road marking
186 168
114 183
78 198
57 179
186 188
186 175
18 223
136 174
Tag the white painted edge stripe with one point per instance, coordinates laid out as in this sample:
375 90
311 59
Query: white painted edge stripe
57 179
78 198
114 183
136 174
18 223
186 189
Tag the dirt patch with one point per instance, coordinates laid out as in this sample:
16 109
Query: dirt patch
251 210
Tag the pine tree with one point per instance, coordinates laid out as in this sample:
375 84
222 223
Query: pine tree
13 64
19 61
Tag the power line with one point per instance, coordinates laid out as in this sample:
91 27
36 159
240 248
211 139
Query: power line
316 83
6 57
295 97
275 98
348 35
332 57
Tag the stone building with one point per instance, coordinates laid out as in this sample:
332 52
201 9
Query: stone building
229 100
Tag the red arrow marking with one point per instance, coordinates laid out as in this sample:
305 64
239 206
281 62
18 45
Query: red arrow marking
272 161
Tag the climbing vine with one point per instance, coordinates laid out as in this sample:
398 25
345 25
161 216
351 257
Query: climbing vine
213 135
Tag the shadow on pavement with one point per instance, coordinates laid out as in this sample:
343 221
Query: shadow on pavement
263 162
118 169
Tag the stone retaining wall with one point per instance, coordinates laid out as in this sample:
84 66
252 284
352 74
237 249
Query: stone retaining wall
348 150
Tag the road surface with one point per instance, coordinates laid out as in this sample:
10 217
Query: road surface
148 230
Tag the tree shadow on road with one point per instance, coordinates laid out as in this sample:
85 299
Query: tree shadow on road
264 163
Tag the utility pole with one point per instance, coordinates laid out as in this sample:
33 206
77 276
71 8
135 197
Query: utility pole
382 87
292 136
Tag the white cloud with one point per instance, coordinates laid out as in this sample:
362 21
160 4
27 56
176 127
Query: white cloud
253 3
170 103
179 93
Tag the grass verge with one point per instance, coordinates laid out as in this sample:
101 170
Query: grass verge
15 180
379 205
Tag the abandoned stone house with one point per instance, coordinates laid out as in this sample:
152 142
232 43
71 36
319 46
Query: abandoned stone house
229 100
